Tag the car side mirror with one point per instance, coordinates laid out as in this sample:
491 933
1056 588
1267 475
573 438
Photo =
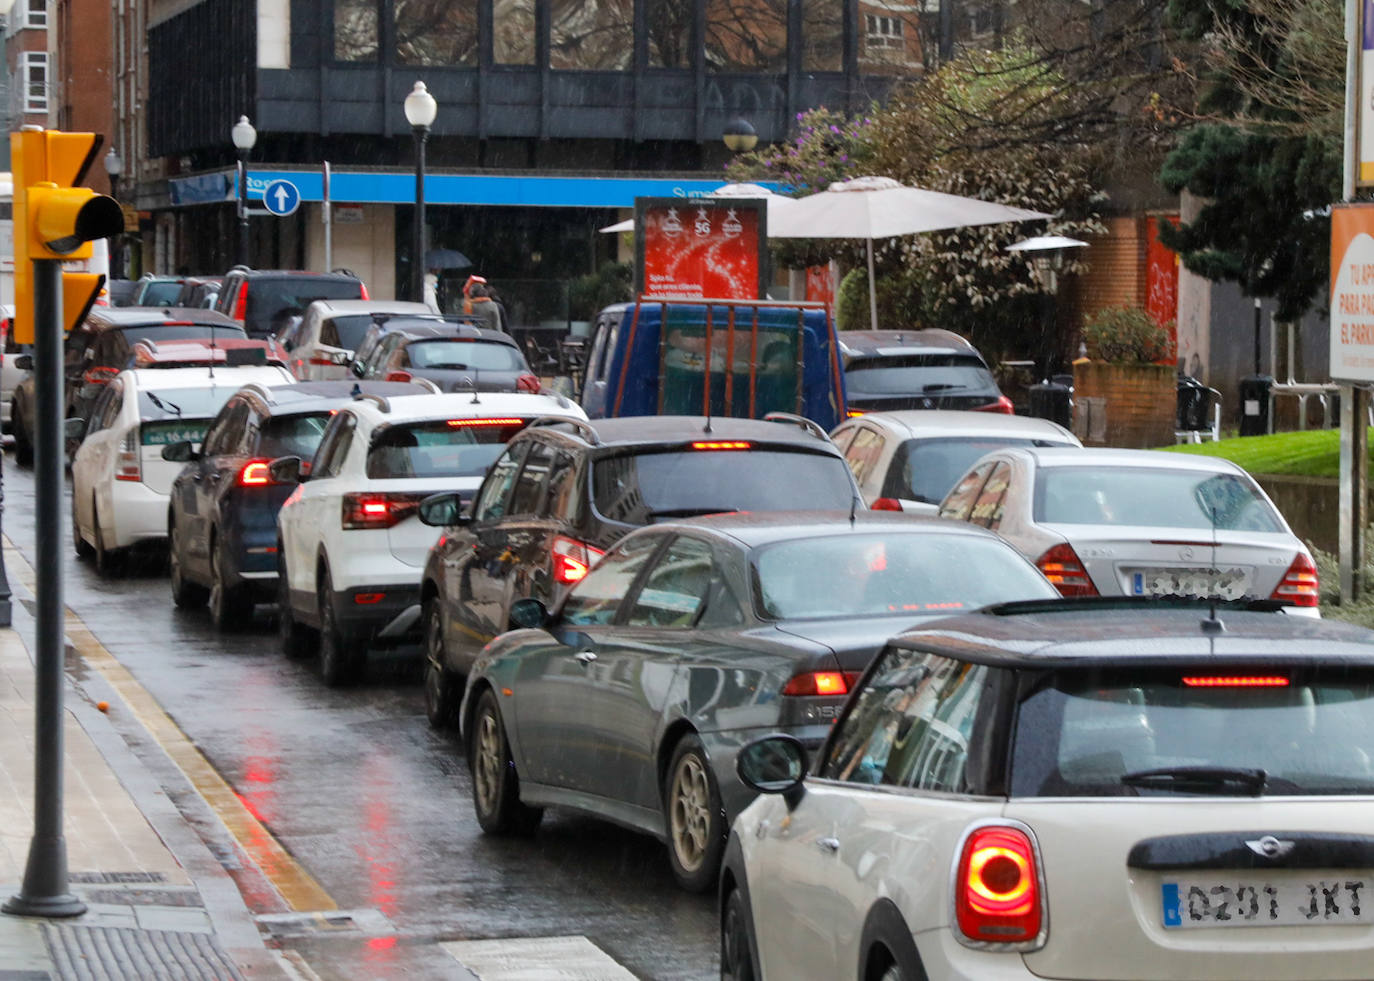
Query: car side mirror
183 452
286 470
530 613
24 362
443 510
773 765
74 428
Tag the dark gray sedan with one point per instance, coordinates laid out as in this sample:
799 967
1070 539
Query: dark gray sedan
457 357
689 639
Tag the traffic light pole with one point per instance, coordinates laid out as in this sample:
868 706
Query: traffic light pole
45 891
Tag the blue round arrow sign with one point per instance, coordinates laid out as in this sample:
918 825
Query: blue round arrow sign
281 198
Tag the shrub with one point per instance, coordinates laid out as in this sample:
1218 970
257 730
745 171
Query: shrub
589 295
1127 335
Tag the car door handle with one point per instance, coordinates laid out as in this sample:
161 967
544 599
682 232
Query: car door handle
215 477
828 845
584 658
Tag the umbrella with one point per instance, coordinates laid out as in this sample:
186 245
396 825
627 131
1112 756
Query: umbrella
777 203
879 207
446 259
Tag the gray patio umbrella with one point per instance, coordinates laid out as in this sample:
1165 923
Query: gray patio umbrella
879 207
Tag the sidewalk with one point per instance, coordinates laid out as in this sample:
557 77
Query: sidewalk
160 905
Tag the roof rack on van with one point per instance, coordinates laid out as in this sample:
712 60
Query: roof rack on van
381 400
790 418
581 425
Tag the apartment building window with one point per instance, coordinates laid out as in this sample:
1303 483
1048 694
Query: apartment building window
894 37
33 80
34 14
746 37
884 32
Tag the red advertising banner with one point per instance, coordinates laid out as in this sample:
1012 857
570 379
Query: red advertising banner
700 248
1161 279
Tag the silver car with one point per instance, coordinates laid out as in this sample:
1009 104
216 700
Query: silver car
1139 523
689 639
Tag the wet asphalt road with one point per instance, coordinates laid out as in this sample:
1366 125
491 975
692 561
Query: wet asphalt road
370 800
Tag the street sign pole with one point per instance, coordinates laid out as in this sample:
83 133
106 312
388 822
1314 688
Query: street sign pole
45 892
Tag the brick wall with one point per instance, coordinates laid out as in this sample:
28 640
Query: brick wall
1116 277
1124 405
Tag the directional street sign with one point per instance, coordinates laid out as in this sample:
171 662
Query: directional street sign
281 198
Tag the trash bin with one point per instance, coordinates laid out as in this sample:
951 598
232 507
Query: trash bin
1053 401
1254 404
1192 405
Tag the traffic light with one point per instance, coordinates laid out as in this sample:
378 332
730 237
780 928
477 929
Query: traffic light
55 219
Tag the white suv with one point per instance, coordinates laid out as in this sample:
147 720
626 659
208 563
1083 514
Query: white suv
352 547
120 482
322 344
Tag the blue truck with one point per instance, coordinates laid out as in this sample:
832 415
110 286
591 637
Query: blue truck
740 358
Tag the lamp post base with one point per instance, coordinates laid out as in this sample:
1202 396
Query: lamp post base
44 892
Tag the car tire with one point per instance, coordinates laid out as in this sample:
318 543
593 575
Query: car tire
231 607
186 595
341 656
297 640
106 559
737 940
693 816
23 443
442 688
495 784
83 547
887 950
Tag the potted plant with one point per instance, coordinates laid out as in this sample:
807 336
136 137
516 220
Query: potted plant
1125 391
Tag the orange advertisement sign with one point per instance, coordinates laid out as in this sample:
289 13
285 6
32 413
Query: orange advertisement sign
700 248
1352 292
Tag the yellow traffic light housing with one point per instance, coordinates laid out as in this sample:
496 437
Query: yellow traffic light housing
63 221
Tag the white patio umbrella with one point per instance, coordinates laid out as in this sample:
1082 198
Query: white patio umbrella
879 207
777 204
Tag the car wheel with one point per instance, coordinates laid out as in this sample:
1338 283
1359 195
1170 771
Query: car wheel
186 595
83 547
441 686
106 559
696 824
736 940
231 607
495 784
297 640
341 656
23 444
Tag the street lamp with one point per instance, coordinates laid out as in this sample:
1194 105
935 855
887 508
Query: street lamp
420 112
739 135
1046 255
114 166
244 136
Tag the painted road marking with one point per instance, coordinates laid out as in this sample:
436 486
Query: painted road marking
296 886
537 959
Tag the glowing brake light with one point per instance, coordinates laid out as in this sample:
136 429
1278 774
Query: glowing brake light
479 423
362 289
1299 586
997 896
885 504
854 413
373 511
1003 405
820 683
1235 681
722 444
572 559
254 474
241 302
1062 567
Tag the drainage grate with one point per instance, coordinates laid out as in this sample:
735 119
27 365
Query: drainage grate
113 877
120 953
144 897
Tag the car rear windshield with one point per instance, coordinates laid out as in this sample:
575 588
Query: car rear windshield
890 572
1198 729
640 488
181 332
277 299
352 330
927 469
159 294
1153 498
183 403
294 435
917 374
439 448
462 355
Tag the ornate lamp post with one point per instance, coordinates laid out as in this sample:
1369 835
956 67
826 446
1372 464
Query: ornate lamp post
114 166
420 110
244 136
739 135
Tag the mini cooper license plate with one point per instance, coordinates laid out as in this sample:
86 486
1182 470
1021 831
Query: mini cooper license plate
1330 900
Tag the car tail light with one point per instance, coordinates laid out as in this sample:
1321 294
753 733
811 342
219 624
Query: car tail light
722 444
362 288
323 360
1235 681
99 375
854 413
527 383
255 474
821 683
481 423
1062 567
885 504
375 511
997 898
572 559
1299 585
399 376
1002 405
241 302
127 463
368 599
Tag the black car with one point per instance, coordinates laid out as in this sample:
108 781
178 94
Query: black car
222 519
562 494
457 357
917 369
101 348
263 299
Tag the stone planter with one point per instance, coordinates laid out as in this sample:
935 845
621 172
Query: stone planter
1127 405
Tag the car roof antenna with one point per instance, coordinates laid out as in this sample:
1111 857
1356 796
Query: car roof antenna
853 507
476 378
1212 625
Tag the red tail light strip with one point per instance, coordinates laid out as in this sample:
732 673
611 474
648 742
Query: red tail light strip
722 444
1235 681
1062 567
479 423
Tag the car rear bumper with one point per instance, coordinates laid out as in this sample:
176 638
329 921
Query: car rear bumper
139 514
369 609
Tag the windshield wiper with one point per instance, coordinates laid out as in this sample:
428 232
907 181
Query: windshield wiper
446 367
164 406
689 512
944 387
1201 779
